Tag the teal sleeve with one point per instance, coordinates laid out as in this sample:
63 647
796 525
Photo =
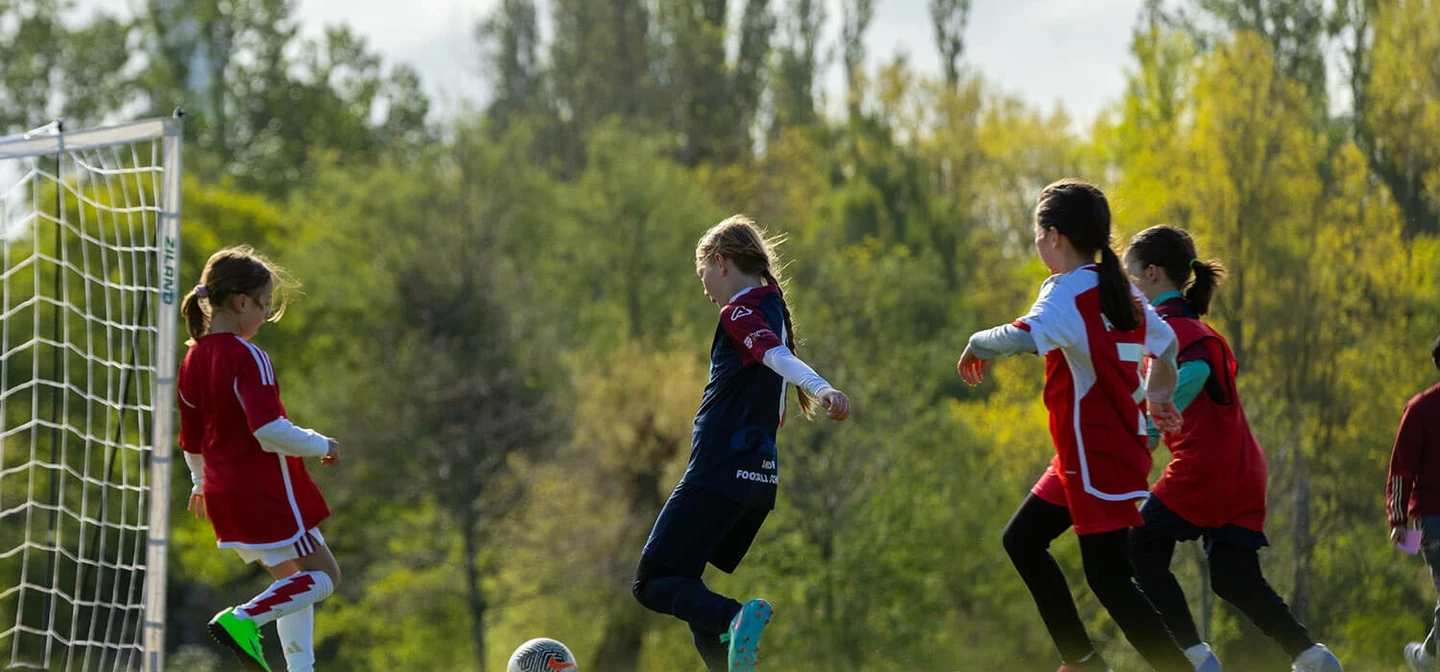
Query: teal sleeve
1189 383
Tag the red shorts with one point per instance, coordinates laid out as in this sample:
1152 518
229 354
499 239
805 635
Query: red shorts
1088 513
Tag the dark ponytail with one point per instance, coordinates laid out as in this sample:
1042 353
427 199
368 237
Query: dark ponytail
1173 250
1079 211
1117 302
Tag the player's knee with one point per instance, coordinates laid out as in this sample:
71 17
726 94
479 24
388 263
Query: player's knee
1107 581
1148 567
1149 574
1018 544
1228 579
638 590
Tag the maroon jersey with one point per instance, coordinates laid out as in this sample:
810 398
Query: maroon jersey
1413 487
1218 474
254 498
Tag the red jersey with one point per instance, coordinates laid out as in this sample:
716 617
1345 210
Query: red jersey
1413 487
255 499
1218 474
1094 394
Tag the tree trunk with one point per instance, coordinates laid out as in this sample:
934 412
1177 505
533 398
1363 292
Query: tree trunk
625 625
1301 543
475 598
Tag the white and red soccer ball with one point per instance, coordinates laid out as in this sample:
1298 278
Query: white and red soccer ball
542 655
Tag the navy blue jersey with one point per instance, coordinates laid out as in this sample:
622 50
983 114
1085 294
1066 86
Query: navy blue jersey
733 451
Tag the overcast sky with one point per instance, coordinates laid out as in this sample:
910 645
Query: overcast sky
1070 51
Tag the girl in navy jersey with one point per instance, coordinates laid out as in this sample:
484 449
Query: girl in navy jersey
1214 486
729 487
1094 331
245 458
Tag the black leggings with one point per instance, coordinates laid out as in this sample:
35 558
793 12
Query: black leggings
1107 569
686 597
1235 576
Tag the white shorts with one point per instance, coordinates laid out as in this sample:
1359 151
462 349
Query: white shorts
310 542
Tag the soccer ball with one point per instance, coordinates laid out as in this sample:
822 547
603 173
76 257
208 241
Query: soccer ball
542 655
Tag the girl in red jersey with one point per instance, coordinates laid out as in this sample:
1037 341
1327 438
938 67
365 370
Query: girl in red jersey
1094 331
245 458
1214 487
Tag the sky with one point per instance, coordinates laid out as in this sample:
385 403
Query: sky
1072 52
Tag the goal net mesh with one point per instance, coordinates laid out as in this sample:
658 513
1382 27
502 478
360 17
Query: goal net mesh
86 298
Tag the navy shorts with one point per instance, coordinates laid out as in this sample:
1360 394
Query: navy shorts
699 526
1159 517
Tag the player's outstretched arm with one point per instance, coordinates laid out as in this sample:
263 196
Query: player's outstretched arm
1002 341
284 437
795 371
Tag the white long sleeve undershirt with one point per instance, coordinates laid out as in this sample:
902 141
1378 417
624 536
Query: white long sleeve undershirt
795 371
196 462
284 437
1004 340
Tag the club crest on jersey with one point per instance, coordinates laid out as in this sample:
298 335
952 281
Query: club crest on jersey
739 312
750 340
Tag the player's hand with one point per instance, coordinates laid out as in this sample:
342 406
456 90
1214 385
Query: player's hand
1397 535
332 458
1166 416
972 368
197 505
837 405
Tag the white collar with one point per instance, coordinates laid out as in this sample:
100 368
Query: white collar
742 293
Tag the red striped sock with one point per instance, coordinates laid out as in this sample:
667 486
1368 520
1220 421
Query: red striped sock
287 596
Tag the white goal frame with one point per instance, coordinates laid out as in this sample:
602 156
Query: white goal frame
53 141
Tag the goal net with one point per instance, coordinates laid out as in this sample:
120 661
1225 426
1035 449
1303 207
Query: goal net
89 244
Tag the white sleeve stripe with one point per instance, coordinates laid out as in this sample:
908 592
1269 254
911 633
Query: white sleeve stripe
261 362
269 367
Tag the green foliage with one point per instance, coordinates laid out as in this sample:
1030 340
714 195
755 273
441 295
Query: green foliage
502 326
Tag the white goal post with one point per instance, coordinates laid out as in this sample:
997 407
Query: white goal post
89 285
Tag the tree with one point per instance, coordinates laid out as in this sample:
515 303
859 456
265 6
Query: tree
53 70
857 15
799 64
1296 31
950 18
264 99
601 61
511 38
1396 104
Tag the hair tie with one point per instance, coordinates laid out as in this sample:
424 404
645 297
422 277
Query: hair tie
1193 262
201 291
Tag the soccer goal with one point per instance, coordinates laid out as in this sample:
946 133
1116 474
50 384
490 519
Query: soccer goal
89 261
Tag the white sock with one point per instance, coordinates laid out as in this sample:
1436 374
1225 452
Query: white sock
297 638
287 596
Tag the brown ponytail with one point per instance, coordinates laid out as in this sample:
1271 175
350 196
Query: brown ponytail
197 321
745 245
